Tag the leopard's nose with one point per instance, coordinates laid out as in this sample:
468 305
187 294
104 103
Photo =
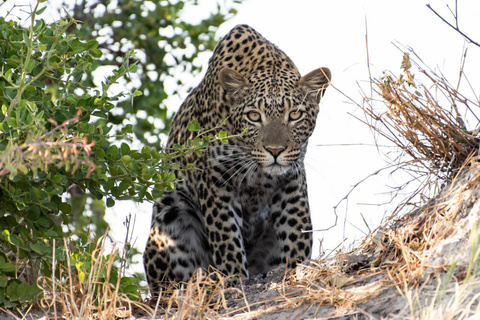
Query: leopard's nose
275 151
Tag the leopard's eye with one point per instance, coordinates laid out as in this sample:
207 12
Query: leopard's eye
295 115
254 116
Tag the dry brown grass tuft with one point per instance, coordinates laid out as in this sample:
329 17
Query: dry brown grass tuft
427 121
90 295
203 297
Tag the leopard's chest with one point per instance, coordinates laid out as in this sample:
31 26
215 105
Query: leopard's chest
255 199
228 178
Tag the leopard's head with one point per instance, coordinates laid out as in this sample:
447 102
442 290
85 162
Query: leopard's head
279 112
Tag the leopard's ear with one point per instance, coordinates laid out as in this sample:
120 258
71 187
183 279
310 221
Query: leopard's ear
316 82
233 83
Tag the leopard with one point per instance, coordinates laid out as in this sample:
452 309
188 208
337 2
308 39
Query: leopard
243 209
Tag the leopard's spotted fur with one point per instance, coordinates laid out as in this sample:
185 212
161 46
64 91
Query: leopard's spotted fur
244 211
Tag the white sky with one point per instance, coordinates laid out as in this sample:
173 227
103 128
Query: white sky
317 33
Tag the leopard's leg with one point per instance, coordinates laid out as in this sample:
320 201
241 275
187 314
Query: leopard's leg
226 242
223 223
262 247
290 215
177 244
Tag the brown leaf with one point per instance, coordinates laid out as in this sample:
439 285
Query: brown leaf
406 62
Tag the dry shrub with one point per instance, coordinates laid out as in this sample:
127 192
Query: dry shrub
94 296
427 121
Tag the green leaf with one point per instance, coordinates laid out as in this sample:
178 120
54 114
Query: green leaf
59 179
6 267
11 291
44 222
50 205
29 67
127 129
92 44
33 215
27 292
41 10
141 192
84 126
125 149
112 152
110 202
197 142
81 277
3 280
39 24
146 151
65 207
99 153
96 53
23 169
110 184
12 122
14 239
41 248
77 46
133 68
170 177
193 126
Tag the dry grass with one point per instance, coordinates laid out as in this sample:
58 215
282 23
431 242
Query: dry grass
203 297
451 298
87 296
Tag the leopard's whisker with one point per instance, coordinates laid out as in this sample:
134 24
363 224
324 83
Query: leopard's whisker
238 171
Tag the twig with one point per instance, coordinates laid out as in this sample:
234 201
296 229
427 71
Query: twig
54 281
456 28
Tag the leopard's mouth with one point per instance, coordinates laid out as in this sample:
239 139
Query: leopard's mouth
276 169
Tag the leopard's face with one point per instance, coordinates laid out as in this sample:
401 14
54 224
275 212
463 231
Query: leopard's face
278 129
279 118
